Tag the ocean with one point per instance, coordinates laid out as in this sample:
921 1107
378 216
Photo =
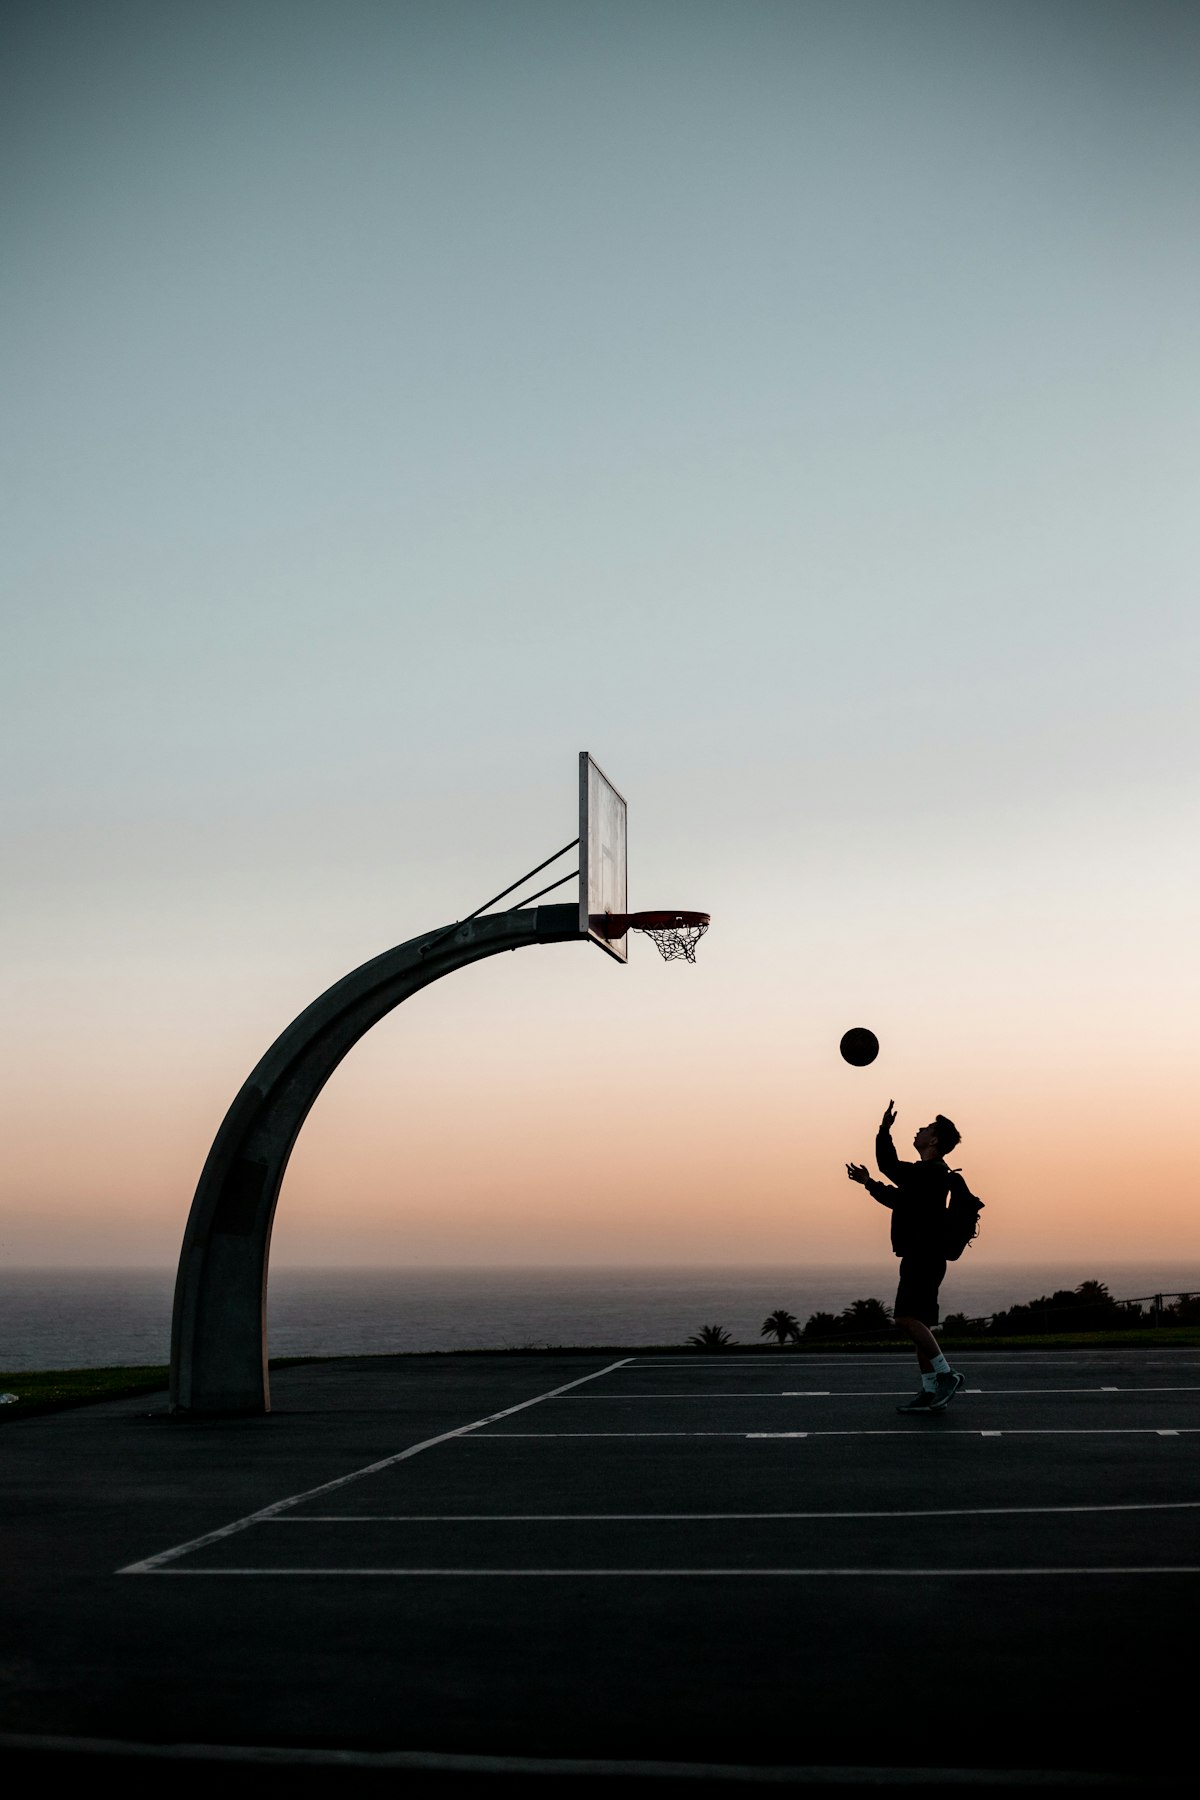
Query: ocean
76 1318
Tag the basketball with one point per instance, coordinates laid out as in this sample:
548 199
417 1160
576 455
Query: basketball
859 1047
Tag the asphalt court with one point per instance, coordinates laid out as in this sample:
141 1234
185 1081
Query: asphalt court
711 1469
740 1559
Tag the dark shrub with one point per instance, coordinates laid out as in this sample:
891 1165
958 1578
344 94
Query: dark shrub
821 1325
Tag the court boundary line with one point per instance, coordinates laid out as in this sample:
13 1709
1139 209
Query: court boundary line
695 1574
929 1512
440 1762
155 1565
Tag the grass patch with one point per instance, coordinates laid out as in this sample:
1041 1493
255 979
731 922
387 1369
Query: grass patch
46 1390
52 1390
1162 1337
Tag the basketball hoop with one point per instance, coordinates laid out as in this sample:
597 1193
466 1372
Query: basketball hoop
674 933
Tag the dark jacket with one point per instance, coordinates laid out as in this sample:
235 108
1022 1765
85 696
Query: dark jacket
917 1201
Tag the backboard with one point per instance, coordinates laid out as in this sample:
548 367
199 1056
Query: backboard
603 885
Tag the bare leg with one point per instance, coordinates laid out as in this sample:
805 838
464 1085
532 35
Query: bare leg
923 1338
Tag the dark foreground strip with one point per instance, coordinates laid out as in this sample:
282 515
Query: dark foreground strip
435 1772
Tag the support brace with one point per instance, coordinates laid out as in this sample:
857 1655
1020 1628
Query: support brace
219 1327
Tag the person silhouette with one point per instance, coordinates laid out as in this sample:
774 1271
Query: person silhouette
917 1203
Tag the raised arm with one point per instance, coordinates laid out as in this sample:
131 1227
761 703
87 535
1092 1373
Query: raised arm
885 1150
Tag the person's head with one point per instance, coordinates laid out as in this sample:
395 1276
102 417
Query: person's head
937 1139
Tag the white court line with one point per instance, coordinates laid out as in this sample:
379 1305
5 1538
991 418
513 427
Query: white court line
1087 1358
929 1512
953 1431
894 1431
692 1574
153 1565
491 1435
865 1393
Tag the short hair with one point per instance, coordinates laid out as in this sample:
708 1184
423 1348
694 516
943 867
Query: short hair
948 1134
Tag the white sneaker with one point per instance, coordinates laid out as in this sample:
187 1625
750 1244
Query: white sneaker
947 1387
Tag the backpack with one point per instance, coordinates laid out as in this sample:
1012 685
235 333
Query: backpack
962 1217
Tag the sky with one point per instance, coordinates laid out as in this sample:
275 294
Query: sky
795 405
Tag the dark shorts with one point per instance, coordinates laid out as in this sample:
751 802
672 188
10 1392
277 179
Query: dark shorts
917 1295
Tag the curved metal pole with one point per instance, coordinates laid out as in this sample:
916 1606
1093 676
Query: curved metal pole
219 1327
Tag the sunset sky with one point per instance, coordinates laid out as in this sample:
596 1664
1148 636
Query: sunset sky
793 404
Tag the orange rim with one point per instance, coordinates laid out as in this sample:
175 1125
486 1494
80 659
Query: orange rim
617 924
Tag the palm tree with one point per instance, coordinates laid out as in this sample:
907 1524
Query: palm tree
781 1325
1094 1293
865 1315
711 1337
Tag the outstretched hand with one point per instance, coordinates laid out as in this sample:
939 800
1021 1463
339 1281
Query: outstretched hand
858 1172
889 1117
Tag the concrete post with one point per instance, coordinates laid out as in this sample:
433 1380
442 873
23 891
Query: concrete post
219 1327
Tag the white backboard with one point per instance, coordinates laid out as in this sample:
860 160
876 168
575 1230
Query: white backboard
603 888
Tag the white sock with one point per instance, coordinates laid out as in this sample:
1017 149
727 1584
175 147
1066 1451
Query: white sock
940 1365
929 1383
